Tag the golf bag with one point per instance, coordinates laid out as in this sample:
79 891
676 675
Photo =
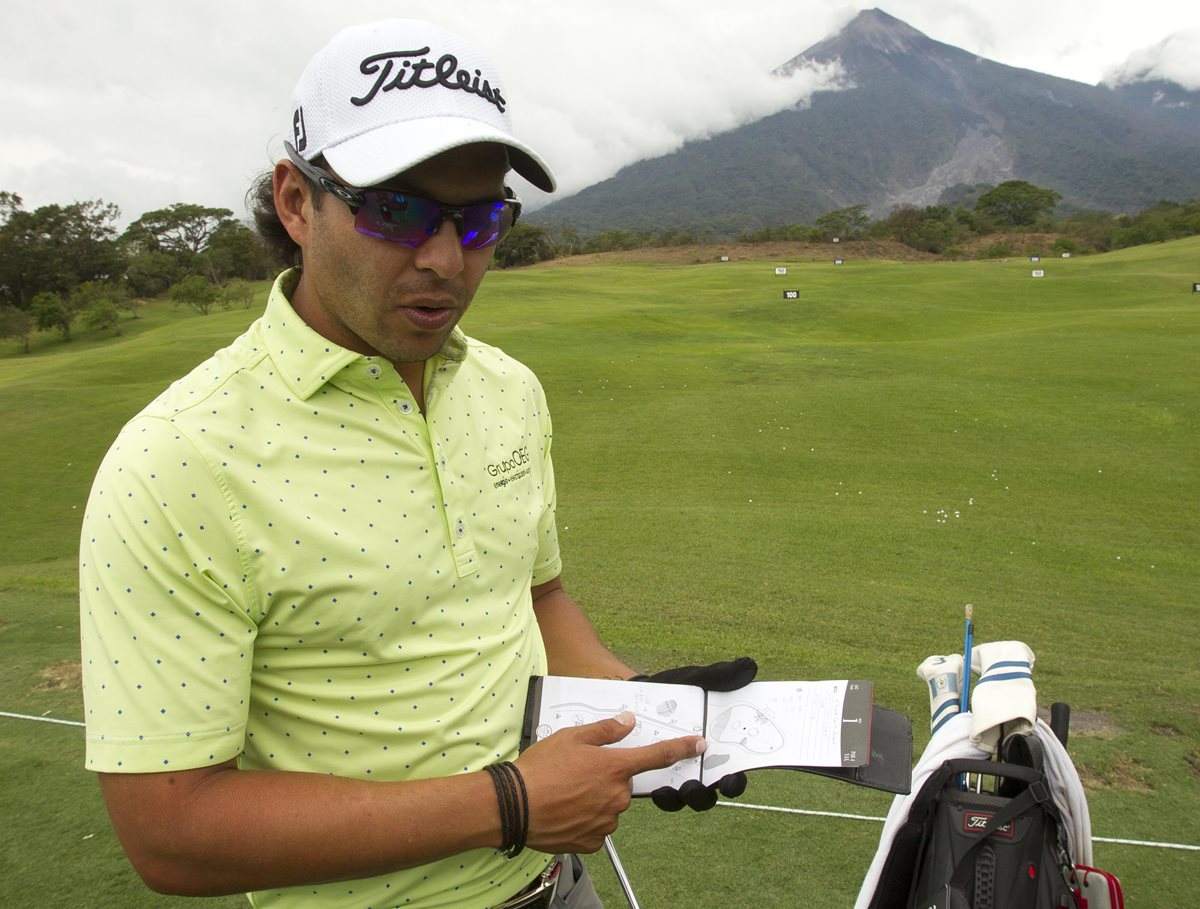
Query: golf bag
962 849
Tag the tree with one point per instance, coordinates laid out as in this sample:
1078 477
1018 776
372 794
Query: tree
525 244
237 292
16 323
964 195
1016 203
10 204
1094 227
235 251
844 223
50 310
196 292
566 240
612 240
182 228
180 233
55 247
933 229
101 304
151 272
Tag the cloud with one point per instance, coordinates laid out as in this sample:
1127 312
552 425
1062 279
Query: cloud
1072 39
136 104
1174 59
566 130
597 86
146 103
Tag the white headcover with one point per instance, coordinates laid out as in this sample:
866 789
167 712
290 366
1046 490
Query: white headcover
1004 701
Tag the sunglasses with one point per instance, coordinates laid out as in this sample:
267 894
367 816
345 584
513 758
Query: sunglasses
410 220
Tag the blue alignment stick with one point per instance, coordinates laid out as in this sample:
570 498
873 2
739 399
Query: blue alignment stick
968 636
964 704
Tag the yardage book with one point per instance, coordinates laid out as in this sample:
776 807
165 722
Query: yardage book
818 726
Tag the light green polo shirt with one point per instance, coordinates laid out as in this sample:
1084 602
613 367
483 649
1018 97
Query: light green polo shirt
283 560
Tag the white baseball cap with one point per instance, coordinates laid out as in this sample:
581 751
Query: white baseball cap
383 97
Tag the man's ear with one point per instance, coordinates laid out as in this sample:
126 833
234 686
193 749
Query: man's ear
293 201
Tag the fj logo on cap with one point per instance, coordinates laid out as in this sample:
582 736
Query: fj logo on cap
394 72
301 140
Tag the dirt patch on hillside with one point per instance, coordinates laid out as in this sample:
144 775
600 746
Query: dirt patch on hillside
1020 245
1124 773
1017 246
776 249
60 676
1085 722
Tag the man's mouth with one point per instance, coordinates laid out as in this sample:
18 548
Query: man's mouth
429 317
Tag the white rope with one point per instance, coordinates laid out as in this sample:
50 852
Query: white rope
866 817
852 817
776 808
1105 839
40 719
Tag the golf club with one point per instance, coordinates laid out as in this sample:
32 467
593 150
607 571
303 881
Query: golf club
611 849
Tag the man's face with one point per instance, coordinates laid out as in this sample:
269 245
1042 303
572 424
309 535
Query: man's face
376 297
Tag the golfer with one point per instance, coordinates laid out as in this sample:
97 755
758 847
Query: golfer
318 572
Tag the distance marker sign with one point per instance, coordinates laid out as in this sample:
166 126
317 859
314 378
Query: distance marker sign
791 295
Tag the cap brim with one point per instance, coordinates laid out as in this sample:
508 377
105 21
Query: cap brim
376 156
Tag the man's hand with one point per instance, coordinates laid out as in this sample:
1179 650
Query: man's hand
727 676
577 788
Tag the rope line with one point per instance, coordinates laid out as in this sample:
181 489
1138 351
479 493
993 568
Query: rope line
40 719
865 817
775 808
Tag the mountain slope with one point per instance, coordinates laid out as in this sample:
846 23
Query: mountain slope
1165 101
921 118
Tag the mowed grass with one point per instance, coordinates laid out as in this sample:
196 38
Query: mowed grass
820 483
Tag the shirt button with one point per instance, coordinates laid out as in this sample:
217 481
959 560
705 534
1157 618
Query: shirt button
406 407
460 528
374 371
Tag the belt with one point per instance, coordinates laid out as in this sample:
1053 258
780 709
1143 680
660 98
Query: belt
540 893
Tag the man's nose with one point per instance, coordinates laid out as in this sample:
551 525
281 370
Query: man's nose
442 253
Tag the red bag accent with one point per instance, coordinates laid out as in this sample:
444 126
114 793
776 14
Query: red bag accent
1096 889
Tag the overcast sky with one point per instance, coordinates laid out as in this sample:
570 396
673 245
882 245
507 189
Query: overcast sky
148 102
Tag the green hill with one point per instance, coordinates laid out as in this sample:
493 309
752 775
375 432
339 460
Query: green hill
821 483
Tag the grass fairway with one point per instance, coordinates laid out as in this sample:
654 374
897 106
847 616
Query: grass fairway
820 483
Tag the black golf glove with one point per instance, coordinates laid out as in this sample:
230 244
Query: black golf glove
727 676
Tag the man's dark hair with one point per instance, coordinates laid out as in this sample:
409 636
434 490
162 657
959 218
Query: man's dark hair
260 200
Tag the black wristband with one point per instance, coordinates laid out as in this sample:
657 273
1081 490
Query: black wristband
514 806
500 783
523 830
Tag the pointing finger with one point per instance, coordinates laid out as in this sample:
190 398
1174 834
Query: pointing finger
664 754
606 732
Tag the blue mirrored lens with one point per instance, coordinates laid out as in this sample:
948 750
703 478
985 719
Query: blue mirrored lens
411 220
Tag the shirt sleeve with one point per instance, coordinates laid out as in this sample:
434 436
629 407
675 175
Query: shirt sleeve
548 565
166 618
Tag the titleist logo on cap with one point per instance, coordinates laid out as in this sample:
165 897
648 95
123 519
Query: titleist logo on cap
394 72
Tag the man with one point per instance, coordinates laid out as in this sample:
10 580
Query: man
318 572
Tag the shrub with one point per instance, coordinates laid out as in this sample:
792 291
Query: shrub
997 249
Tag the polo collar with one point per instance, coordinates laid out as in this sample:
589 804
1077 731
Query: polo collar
306 360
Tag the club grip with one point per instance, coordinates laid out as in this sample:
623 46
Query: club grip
1060 721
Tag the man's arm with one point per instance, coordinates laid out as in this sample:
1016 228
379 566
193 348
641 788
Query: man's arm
572 646
222 830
